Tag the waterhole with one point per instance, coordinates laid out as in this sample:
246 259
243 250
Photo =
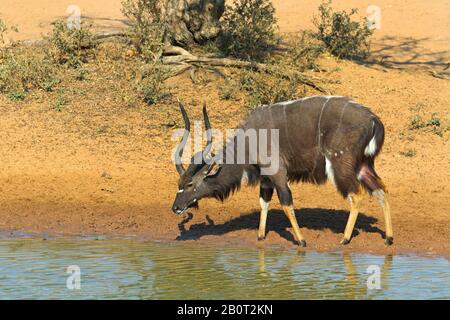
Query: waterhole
122 269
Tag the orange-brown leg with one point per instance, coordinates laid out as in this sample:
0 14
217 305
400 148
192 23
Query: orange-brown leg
285 196
380 195
290 213
355 200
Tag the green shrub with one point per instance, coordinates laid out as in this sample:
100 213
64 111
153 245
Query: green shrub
152 87
302 52
71 46
148 29
263 88
248 30
60 101
16 95
416 123
3 30
435 124
341 36
435 121
408 153
24 69
229 90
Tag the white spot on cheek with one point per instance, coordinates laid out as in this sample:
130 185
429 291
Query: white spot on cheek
329 171
180 191
371 148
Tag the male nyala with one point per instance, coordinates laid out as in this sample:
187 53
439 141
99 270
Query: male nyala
320 138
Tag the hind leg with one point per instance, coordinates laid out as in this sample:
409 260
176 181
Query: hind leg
373 183
341 173
355 200
265 195
381 197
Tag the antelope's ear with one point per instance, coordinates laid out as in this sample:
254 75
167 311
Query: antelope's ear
212 170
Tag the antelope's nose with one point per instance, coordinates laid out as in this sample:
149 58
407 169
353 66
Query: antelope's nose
176 209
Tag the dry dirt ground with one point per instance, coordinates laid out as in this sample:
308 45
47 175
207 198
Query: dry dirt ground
102 168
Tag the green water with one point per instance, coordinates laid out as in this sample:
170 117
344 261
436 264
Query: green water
111 269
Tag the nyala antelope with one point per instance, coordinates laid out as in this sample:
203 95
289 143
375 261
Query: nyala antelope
320 138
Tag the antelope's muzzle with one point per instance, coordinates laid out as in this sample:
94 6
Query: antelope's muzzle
177 209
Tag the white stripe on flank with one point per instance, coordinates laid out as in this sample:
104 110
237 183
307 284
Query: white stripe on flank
329 97
329 171
286 103
371 148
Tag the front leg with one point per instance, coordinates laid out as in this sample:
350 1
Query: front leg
285 196
265 195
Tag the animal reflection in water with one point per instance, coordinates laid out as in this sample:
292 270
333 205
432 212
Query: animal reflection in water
319 138
351 285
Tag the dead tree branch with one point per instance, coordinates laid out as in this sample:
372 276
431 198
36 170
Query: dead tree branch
180 60
233 63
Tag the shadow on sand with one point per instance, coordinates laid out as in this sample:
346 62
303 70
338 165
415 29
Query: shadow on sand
308 218
406 53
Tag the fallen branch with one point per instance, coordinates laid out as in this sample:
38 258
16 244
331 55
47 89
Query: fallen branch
227 62
174 50
110 34
180 60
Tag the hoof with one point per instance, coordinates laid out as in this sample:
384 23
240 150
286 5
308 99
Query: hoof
389 241
345 241
302 243
261 238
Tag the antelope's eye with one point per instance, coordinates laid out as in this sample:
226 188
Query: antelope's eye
190 184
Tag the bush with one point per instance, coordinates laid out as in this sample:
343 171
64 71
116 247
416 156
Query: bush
341 36
416 123
148 29
23 69
16 95
302 53
229 90
435 124
265 88
152 87
3 30
60 101
408 153
248 30
71 45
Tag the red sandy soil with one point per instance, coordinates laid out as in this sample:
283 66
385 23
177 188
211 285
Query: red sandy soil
52 177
